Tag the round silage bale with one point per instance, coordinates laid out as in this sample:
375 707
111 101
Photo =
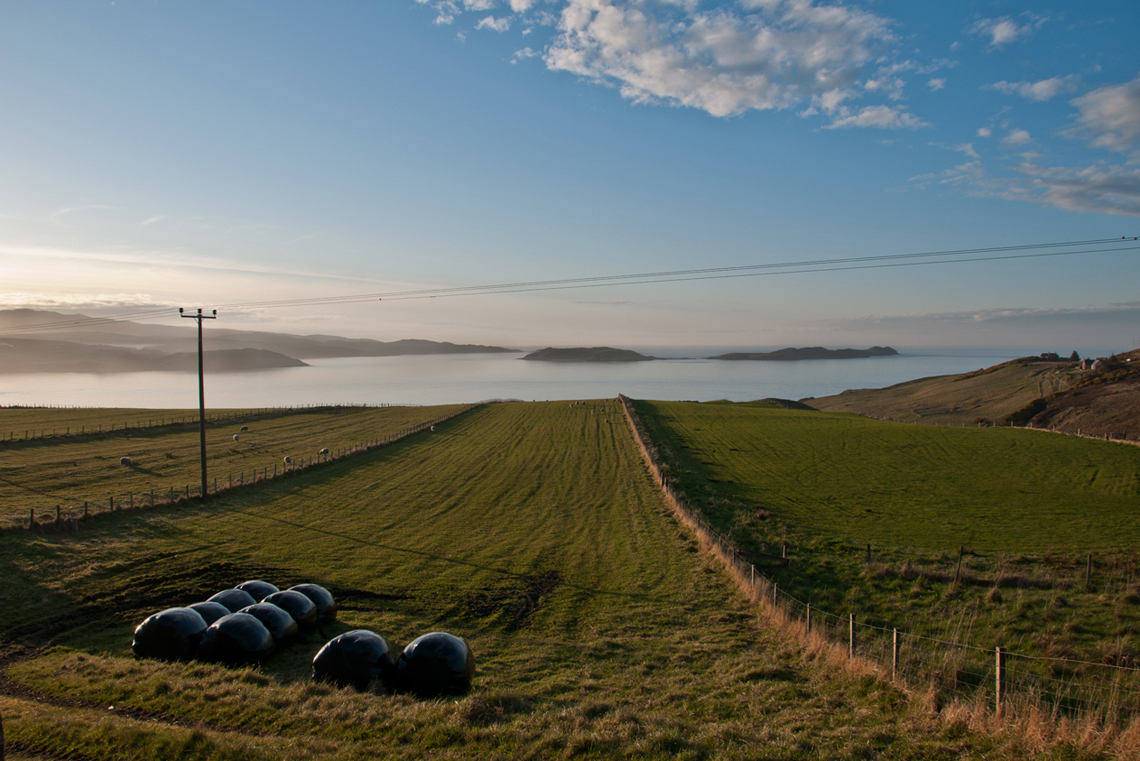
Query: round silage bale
169 635
354 658
434 665
238 639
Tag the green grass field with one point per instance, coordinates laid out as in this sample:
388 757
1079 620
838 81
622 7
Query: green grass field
532 530
1029 507
69 470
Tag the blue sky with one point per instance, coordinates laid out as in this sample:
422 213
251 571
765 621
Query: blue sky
205 154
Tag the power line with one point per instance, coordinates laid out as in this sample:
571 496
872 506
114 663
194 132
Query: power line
880 261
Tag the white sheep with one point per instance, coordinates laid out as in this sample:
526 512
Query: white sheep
243 429
236 437
324 450
288 460
126 462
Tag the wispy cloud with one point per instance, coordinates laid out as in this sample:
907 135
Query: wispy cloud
1002 31
1045 89
501 24
883 117
1017 137
1109 117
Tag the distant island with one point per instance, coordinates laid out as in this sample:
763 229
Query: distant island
593 354
811 352
36 341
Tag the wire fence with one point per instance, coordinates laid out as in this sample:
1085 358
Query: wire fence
948 668
70 517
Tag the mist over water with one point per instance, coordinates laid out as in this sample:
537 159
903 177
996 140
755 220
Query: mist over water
459 378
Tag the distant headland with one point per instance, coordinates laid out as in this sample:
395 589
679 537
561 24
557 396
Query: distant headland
811 352
593 354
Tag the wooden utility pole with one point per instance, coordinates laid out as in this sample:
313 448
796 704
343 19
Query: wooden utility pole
201 387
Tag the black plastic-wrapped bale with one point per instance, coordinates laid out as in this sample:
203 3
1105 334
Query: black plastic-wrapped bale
236 640
233 599
170 635
279 623
354 658
435 664
257 589
322 598
210 611
297 605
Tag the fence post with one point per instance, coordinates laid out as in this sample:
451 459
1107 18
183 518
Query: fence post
112 500
895 655
1088 573
131 497
868 553
753 576
851 635
958 571
809 618
31 518
57 513
84 509
999 681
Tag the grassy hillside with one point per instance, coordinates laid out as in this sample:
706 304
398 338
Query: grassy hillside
41 473
1028 506
988 394
1024 392
530 529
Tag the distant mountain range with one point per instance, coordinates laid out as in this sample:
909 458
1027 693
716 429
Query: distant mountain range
78 343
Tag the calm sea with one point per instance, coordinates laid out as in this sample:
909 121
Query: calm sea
445 379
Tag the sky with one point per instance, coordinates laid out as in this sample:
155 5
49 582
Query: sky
213 154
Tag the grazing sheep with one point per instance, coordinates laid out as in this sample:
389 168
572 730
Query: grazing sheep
288 460
433 429
126 462
324 450
236 437
243 429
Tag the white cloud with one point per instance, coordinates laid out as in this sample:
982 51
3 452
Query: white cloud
1109 117
1001 31
1017 137
1046 89
522 55
774 55
985 132
936 84
500 24
883 117
522 6
1111 190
